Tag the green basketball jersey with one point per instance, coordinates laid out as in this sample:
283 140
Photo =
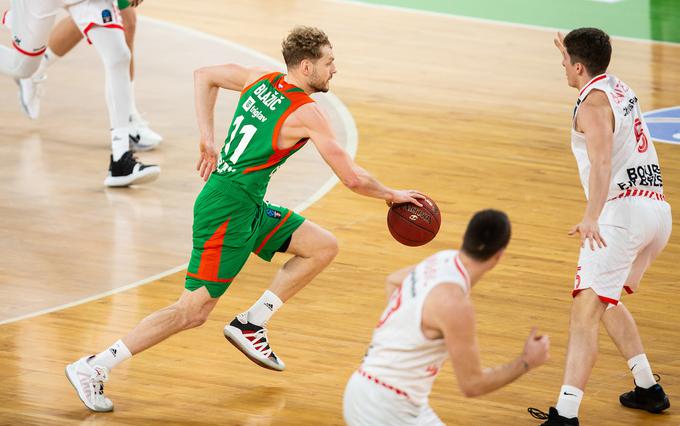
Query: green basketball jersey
250 154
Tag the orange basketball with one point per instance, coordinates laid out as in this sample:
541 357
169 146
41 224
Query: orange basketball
412 225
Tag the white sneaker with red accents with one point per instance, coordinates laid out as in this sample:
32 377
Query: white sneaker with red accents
88 381
252 340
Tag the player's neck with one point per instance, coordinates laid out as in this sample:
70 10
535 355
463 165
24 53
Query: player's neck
583 80
291 78
475 269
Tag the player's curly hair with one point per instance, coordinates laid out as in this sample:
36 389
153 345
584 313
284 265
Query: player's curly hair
303 43
591 47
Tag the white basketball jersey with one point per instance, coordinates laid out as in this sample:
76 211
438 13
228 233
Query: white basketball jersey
400 356
634 160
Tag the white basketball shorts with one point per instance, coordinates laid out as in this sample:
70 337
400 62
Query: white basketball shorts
636 227
367 403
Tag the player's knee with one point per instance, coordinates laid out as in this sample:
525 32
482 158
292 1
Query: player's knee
195 318
329 248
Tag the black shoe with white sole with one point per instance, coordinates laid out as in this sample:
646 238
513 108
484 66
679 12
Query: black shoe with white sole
252 340
129 171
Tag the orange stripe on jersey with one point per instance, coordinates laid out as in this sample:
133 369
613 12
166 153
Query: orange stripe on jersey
209 267
285 218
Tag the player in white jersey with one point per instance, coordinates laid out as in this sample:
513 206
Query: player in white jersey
31 23
626 223
428 319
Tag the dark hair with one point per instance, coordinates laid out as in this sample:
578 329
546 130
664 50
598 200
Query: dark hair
487 233
591 47
303 43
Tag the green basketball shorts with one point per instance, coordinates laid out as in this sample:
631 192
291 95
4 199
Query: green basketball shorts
228 226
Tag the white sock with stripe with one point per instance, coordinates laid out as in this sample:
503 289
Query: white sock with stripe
642 371
112 356
264 308
569 401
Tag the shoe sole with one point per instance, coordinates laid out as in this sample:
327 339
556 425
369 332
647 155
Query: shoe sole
239 345
639 407
147 175
68 376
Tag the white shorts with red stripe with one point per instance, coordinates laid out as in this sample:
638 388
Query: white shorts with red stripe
636 227
31 22
369 402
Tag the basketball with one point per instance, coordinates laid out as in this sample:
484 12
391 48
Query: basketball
412 225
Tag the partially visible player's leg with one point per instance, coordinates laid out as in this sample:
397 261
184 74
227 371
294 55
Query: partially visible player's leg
647 395
64 37
88 374
312 247
30 24
142 138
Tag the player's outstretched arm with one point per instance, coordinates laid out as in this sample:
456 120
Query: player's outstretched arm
395 279
350 174
449 310
596 120
207 82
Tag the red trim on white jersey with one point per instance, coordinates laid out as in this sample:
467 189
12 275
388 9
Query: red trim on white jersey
93 24
591 82
639 193
381 383
4 16
461 269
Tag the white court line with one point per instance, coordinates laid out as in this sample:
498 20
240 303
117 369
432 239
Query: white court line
351 147
490 21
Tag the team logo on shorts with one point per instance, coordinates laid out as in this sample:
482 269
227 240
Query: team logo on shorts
107 16
274 213
664 124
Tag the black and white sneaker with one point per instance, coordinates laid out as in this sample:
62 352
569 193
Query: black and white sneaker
552 417
128 171
252 340
653 399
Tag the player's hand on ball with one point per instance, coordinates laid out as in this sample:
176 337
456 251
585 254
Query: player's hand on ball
590 230
536 349
207 162
406 196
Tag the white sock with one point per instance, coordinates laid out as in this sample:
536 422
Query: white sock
112 356
642 371
120 142
569 401
264 308
48 59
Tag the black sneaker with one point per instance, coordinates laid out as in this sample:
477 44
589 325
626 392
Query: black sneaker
553 418
653 399
128 171
252 340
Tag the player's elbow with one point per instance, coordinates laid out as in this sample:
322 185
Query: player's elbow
352 182
471 390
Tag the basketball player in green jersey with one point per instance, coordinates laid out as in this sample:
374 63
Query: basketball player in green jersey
274 118
63 38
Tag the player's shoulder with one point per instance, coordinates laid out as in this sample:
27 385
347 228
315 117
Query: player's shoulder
311 115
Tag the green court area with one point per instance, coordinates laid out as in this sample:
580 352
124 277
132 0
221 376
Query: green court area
641 19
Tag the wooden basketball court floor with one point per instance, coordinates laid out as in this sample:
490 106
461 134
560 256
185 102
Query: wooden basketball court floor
474 114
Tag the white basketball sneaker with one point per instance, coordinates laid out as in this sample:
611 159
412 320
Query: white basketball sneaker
676 136
88 381
252 340
30 91
142 138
